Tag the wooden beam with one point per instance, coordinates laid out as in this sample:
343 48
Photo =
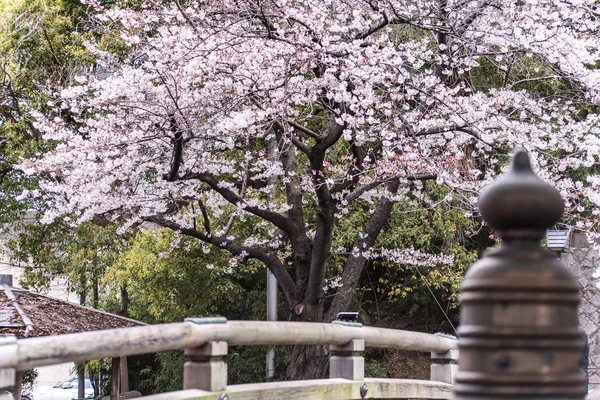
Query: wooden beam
124 375
26 320
18 385
116 377
81 382
37 352
7 378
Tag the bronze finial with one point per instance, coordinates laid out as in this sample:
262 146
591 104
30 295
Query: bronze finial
519 202
518 334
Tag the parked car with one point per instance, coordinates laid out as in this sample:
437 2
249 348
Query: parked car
66 390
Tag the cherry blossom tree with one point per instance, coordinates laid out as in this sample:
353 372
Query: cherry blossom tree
279 115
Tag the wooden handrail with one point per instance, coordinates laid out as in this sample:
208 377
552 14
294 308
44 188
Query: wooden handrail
37 352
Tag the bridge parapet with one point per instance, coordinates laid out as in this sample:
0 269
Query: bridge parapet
205 375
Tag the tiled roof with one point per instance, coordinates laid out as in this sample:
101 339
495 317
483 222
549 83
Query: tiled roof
49 316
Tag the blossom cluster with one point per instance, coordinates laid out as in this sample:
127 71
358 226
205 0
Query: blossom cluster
202 118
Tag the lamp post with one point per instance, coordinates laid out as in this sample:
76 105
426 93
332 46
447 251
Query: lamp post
558 241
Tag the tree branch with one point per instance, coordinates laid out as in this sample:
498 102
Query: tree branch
310 133
372 185
204 217
354 170
177 151
325 212
462 28
269 258
275 218
301 146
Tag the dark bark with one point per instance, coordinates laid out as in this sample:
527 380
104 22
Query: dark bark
301 245
276 219
177 149
116 377
442 38
326 206
95 293
308 362
82 293
124 301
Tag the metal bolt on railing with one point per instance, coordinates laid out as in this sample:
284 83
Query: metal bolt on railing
364 389
518 334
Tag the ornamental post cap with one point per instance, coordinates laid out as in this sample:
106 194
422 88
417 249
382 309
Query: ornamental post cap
519 204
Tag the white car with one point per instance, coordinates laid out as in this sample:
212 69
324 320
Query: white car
65 391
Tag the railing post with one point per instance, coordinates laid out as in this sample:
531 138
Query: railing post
8 376
7 379
518 335
206 368
444 366
346 361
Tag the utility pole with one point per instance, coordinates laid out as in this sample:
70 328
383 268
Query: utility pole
271 316
81 371
271 285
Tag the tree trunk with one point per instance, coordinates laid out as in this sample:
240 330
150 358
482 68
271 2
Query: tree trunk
124 375
124 301
18 385
308 362
96 294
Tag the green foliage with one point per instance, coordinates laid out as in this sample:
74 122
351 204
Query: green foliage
41 50
83 254
45 40
429 222
247 363
28 379
166 375
100 373
373 369
431 229
169 278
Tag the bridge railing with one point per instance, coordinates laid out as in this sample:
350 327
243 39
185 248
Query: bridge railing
206 341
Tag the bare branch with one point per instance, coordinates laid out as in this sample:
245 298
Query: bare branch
301 146
301 128
204 216
275 218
